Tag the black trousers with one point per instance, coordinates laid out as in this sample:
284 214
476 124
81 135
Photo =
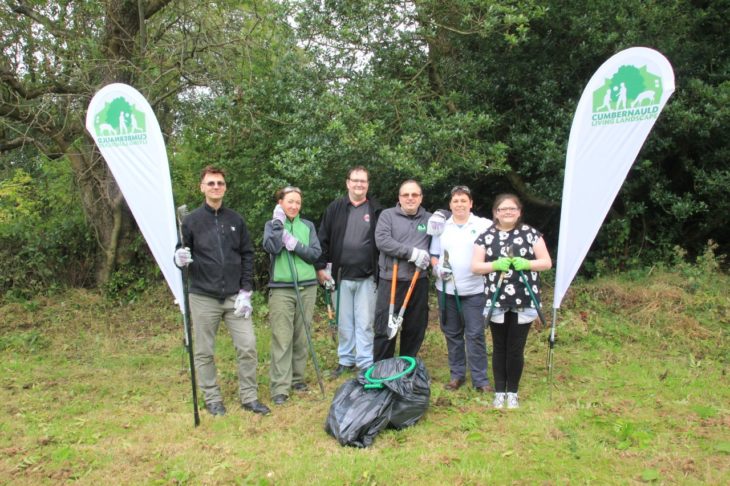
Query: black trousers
415 319
508 352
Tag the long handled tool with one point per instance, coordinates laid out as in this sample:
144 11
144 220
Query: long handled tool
495 295
551 339
394 327
391 306
182 211
331 322
307 330
459 310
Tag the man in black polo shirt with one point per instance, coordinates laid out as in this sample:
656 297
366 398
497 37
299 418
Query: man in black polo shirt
347 236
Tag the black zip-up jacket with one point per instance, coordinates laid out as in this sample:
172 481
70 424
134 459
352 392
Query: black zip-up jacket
332 233
221 249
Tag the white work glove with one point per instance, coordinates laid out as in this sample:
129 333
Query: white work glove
420 258
436 223
325 278
183 257
243 307
279 214
442 272
290 241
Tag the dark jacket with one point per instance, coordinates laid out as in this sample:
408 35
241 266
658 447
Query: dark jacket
221 249
332 233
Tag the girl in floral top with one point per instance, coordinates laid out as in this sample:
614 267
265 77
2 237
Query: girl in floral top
505 250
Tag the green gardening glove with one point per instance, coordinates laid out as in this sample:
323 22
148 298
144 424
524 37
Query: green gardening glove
520 264
501 264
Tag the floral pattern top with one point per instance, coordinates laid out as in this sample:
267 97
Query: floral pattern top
497 244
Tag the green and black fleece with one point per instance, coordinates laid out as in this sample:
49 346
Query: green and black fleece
304 255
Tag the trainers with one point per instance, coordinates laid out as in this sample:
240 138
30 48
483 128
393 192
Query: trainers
300 387
499 400
256 407
512 401
341 369
215 408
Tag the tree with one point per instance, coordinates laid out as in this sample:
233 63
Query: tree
57 54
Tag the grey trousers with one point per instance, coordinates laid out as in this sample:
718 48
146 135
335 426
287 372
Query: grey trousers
465 341
288 337
206 313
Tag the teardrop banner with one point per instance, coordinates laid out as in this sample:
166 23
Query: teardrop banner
125 129
615 114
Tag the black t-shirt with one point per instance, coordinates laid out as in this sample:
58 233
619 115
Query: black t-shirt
357 248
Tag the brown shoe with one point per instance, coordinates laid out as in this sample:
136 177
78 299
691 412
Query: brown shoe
488 388
455 384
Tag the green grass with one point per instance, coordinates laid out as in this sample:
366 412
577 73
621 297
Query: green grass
95 392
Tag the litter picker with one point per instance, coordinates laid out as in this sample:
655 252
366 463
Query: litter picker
307 330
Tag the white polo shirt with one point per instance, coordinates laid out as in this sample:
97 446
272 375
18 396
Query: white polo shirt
459 242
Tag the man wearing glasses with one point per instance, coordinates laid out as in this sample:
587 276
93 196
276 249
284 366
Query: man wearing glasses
401 238
219 254
349 262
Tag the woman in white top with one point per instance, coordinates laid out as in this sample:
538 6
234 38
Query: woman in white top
460 292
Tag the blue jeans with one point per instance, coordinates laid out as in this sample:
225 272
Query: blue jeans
355 322
465 340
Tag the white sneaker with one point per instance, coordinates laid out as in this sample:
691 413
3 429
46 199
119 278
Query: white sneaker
512 401
499 400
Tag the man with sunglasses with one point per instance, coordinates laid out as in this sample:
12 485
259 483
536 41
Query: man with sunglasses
347 236
219 255
402 239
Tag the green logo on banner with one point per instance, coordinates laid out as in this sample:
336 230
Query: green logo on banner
632 94
120 124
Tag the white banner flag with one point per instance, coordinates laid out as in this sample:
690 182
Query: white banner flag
125 129
614 116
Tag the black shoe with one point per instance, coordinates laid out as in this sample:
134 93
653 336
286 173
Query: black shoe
279 399
215 408
256 407
300 387
341 369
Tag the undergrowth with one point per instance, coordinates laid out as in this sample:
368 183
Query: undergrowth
95 390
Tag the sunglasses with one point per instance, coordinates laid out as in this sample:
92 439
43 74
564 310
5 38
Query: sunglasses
412 195
460 189
215 183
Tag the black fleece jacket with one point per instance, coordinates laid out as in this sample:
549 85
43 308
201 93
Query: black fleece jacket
221 249
332 233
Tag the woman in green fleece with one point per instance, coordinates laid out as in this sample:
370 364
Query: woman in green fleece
293 247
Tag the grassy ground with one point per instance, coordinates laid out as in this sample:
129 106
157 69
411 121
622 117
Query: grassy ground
95 392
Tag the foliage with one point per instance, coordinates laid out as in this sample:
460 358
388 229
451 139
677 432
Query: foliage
44 239
475 92
95 390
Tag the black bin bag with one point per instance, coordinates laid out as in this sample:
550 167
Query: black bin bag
392 393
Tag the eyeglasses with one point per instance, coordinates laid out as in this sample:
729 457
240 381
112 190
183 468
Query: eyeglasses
358 181
507 210
216 183
412 195
460 189
289 189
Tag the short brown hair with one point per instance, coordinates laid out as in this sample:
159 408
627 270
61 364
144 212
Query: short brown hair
358 168
211 169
